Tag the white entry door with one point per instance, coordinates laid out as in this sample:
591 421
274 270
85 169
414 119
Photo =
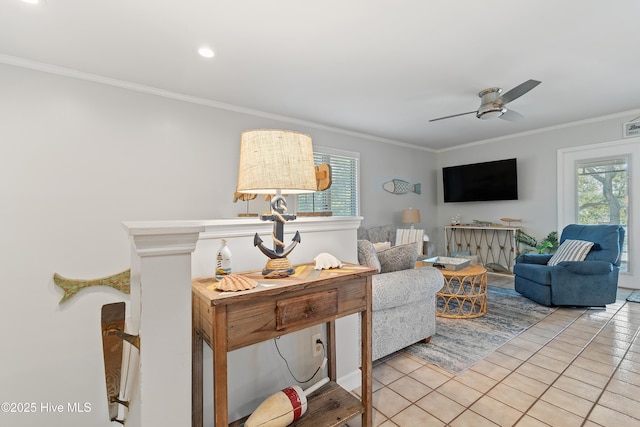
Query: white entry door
595 186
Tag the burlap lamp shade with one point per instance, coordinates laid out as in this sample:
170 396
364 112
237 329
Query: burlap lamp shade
272 160
410 216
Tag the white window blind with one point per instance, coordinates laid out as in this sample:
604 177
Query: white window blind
341 199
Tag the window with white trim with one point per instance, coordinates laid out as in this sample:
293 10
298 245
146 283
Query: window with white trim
341 198
602 192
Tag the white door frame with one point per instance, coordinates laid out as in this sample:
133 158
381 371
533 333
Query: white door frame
567 159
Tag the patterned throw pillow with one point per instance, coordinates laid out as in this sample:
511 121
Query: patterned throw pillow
380 246
402 257
367 255
571 250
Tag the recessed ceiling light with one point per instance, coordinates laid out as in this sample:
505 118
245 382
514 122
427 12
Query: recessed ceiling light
33 1
206 52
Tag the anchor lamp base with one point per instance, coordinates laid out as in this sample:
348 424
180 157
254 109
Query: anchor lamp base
278 267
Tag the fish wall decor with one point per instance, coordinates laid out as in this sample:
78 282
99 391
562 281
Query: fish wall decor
399 186
120 281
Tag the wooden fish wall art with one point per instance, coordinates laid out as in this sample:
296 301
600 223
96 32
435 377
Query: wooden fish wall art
245 197
399 186
120 281
323 176
510 220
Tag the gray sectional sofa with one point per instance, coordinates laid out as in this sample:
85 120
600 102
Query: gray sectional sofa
404 297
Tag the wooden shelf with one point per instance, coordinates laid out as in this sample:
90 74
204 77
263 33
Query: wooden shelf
330 406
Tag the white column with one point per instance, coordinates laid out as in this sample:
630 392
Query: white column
161 311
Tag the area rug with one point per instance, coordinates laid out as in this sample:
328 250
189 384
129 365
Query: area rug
634 296
460 343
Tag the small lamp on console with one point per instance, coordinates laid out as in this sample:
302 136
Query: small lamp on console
276 162
410 216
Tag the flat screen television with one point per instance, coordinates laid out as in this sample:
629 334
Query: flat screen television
480 182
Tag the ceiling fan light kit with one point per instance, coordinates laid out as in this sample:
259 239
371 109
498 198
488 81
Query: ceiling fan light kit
491 114
492 104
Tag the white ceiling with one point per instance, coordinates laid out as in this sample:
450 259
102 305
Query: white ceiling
377 67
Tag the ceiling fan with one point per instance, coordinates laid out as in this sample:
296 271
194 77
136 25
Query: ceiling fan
492 104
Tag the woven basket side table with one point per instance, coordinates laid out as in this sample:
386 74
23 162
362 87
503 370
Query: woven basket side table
464 294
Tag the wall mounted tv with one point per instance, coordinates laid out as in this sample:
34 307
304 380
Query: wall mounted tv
480 182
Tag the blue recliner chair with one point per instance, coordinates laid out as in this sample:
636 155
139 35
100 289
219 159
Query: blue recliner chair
589 283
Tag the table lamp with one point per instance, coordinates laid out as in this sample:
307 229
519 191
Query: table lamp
276 162
410 216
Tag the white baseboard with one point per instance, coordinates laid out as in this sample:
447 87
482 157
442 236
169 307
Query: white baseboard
351 381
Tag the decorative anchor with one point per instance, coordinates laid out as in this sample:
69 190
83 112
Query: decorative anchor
278 264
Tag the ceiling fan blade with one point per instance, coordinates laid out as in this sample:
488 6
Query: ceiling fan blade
455 115
512 116
518 91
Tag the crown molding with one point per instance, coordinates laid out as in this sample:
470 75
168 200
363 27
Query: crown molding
123 84
576 123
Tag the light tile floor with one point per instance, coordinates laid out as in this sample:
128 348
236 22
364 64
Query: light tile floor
577 367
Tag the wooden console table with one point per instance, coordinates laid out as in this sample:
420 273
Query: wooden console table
227 321
493 244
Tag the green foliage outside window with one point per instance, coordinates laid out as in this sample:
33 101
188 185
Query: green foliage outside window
602 192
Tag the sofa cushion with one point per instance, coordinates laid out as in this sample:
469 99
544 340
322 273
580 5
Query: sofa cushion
401 288
367 255
383 233
571 250
397 258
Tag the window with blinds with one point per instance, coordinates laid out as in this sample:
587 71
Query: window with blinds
341 199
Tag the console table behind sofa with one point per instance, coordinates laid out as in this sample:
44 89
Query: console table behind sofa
493 244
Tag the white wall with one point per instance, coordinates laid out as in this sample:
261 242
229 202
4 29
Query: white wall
537 155
381 164
78 159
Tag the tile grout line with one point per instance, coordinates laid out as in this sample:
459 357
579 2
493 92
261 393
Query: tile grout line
522 363
622 359
536 352
570 362
608 320
512 370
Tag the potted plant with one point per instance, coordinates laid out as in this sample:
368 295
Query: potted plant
548 245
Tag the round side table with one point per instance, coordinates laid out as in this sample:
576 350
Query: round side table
464 294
